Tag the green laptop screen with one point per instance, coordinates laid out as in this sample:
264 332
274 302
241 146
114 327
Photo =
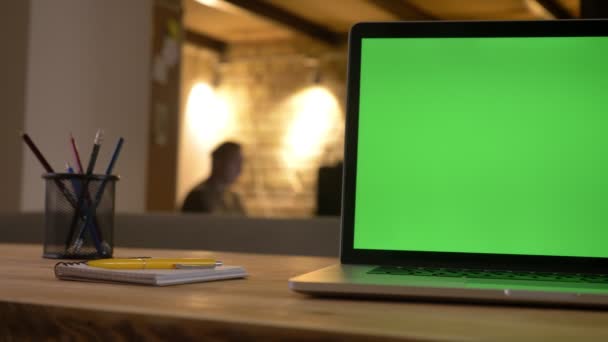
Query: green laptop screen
483 145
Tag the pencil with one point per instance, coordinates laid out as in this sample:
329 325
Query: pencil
115 155
76 154
47 167
37 153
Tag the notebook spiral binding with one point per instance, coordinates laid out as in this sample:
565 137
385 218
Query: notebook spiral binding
63 263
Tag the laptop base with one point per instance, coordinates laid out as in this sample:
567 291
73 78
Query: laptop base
354 280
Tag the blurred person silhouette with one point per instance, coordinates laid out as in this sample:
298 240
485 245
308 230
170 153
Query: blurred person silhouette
213 195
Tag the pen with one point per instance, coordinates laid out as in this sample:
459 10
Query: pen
75 183
94 152
73 247
154 263
91 210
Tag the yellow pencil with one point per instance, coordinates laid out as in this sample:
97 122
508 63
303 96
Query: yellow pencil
154 263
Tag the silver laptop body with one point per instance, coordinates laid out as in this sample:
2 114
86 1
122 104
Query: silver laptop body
523 231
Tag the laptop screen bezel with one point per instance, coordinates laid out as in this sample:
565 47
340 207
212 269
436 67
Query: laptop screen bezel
439 29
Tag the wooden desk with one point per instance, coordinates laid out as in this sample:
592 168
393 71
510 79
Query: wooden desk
34 304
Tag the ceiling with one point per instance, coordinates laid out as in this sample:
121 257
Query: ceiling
216 23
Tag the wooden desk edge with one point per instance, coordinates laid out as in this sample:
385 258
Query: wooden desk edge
24 320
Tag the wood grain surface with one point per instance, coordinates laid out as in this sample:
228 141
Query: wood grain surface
34 305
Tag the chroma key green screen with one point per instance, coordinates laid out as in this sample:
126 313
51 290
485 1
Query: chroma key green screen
483 145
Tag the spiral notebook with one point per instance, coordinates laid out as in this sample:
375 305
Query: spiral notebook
157 277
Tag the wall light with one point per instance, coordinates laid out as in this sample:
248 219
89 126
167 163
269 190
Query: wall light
222 5
316 114
210 3
208 116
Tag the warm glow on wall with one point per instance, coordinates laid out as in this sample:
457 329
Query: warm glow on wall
208 118
206 121
210 3
539 10
316 116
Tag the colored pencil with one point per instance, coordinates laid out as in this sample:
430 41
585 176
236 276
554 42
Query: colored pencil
76 154
47 167
45 164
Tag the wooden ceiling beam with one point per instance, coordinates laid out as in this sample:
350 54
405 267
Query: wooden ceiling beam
289 20
204 41
404 10
556 9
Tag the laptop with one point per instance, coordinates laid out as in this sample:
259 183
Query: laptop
476 164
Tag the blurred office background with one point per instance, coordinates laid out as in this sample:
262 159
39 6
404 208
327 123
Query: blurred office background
176 78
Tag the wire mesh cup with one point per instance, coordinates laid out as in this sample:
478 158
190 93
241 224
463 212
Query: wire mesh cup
79 216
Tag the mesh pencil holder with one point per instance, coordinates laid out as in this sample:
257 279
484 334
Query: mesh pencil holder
79 216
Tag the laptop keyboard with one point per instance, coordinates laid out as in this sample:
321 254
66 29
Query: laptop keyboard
491 274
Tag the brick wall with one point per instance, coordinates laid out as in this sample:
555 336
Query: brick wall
268 86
